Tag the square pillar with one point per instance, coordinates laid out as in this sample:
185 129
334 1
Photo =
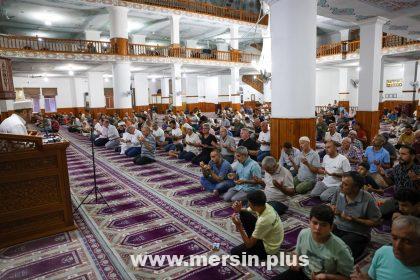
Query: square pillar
141 85
176 87
370 75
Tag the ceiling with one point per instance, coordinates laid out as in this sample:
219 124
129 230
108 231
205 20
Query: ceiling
69 19
403 15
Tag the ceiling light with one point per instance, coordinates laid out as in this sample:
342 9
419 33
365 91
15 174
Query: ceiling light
153 80
48 23
358 69
255 76
51 17
40 39
106 80
71 73
46 79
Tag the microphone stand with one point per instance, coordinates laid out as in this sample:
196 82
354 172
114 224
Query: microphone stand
95 188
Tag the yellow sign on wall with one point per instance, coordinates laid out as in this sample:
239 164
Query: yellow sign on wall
394 83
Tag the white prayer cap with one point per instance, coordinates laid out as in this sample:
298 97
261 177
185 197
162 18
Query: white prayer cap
187 126
22 104
305 139
121 123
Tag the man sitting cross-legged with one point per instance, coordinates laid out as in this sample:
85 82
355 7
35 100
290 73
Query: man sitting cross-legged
401 261
277 183
356 213
215 174
328 256
148 147
246 172
307 167
192 144
260 227
334 166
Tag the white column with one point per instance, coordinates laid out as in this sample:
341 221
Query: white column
92 35
409 72
191 84
234 85
138 39
164 86
293 36
122 82
381 85
234 37
141 85
175 29
118 22
96 90
267 92
176 85
343 91
370 63
344 34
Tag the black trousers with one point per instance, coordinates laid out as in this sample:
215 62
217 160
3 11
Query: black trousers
248 221
291 275
280 208
100 141
356 242
201 157
139 160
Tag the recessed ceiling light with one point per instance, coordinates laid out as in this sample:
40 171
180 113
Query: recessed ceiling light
48 23
45 79
71 73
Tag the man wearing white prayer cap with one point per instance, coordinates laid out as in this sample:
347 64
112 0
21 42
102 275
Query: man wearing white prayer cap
16 123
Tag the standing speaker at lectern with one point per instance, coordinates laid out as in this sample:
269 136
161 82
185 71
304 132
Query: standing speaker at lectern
16 123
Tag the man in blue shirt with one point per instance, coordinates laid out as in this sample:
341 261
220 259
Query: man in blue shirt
215 174
376 155
402 260
244 178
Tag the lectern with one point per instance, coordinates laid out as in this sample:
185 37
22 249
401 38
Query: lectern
34 189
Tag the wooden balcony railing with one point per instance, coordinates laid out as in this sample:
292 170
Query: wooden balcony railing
183 52
54 45
330 49
345 47
390 41
353 46
25 43
204 8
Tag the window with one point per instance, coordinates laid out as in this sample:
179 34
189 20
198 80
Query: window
35 105
50 106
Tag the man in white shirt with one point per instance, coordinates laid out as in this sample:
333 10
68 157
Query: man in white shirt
289 158
158 133
334 165
176 136
264 141
16 123
113 137
332 134
278 184
131 146
102 139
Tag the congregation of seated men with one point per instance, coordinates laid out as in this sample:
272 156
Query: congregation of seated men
346 174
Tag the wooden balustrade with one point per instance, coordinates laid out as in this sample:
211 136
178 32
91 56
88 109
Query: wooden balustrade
183 52
204 8
26 43
353 46
54 45
390 41
330 49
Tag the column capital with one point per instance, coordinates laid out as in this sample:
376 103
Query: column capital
118 9
175 17
373 20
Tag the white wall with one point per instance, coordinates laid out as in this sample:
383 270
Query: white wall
153 86
212 89
64 98
327 87
328 39
247 91
393 73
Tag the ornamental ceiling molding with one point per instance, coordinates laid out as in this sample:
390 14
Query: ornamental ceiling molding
169 11
115 58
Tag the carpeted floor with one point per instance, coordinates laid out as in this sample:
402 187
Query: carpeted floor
157 209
